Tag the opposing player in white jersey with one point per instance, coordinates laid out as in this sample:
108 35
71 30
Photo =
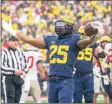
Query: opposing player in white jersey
108 59
35 61
100 75
98 85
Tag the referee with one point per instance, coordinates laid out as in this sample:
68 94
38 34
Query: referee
14 66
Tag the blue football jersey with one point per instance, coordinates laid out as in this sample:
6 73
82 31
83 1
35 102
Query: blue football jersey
62 54
83 63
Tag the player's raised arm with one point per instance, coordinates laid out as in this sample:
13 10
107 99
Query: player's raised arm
37 42
84 43
93 31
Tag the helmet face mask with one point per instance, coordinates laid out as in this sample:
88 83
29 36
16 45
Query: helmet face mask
63 26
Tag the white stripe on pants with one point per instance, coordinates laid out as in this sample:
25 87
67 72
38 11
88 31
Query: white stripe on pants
4 89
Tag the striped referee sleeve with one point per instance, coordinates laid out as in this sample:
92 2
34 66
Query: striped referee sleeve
4 66
26 69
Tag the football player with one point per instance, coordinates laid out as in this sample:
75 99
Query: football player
63 50
83 76
108 59
35 62
101 75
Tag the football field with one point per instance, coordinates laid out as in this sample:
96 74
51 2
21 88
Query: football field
100 99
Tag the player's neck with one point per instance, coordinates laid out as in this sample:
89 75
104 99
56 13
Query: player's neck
64 36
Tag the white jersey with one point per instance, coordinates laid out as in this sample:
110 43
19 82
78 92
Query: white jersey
108 58
32 58
96 69
108 50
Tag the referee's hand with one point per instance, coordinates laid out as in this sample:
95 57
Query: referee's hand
18 72
23 74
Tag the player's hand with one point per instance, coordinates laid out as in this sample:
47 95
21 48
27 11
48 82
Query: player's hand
94 39
106 79
8 27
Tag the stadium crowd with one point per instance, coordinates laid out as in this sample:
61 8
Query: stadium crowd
37 18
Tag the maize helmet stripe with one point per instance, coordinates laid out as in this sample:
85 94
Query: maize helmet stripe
105 38
66 19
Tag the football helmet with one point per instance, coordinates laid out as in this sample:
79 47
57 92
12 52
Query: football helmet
105 39
81 30
64 26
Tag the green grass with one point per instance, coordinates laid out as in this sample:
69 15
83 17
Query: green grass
32 102
43 100
100 99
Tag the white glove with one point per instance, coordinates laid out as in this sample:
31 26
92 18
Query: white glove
97 37
8 27
105 77
106 80
44 86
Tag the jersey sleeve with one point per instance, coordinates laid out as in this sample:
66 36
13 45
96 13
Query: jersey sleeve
40 58
95 45
26 69
78 38
46 39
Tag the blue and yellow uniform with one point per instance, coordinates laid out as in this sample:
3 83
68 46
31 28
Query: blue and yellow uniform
83 76
62 51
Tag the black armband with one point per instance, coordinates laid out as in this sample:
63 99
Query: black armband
101 55
40 61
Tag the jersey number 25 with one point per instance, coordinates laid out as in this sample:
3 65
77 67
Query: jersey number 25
60 50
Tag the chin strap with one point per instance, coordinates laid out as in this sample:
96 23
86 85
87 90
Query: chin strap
64 36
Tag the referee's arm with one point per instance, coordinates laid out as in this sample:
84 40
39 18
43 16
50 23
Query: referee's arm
26 69
4 66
